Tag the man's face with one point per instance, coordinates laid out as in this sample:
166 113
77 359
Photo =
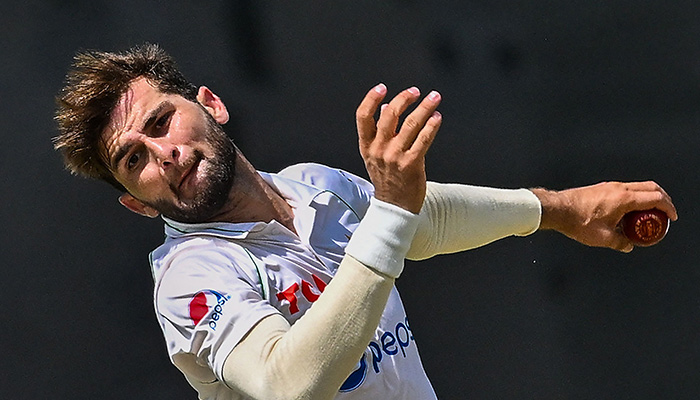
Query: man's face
170 153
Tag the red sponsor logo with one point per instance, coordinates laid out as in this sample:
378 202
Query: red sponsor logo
308 290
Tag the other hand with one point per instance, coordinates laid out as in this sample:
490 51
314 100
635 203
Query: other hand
592 214
395 160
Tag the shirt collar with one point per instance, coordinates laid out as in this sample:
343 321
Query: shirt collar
297 194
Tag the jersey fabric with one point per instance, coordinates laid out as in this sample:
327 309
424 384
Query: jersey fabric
215 281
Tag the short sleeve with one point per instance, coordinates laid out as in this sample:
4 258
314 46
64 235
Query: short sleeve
207 300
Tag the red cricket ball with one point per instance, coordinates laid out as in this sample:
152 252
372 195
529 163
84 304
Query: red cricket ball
646 227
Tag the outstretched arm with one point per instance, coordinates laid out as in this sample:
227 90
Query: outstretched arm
458 217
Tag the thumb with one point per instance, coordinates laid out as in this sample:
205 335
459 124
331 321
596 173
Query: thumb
618 241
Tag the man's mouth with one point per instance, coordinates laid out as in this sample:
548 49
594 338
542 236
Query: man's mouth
188 173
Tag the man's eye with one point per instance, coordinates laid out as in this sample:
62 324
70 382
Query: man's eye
132 161
162 121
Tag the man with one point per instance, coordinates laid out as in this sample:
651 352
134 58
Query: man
275 285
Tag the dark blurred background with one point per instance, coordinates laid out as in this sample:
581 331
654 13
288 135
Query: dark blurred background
546 93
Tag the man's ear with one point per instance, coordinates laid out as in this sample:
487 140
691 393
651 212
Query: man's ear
213 104
135 205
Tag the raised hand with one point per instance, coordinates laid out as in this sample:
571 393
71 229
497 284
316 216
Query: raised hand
395 160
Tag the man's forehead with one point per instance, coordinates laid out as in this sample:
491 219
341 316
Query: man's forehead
140 93
135 101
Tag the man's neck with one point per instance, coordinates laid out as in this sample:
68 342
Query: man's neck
253 200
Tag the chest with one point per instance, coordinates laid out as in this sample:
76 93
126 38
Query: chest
295 267
292 274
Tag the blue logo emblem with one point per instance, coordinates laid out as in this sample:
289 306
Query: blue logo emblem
357 377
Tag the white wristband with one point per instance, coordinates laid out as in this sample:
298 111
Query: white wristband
383 237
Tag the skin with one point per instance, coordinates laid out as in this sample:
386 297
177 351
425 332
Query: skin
590 215
402 152
357 295
174 156
173 168
168 160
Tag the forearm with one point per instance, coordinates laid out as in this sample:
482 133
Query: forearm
458 217
312 358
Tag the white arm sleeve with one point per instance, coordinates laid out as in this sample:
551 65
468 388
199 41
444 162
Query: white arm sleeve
311 360
459 217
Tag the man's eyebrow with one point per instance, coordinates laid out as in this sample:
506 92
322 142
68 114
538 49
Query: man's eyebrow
118 155
149 120
152 116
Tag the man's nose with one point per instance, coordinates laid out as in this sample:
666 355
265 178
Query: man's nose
165 152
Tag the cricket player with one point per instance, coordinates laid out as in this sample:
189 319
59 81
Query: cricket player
281 285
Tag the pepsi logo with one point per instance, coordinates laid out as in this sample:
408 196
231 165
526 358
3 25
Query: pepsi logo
207 302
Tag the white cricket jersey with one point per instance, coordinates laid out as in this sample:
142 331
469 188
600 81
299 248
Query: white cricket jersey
215 281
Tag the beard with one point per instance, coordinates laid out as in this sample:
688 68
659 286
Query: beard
219 175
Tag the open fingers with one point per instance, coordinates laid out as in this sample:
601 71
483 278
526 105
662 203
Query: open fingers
364 116
426 135
389 117
417 131
417 121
